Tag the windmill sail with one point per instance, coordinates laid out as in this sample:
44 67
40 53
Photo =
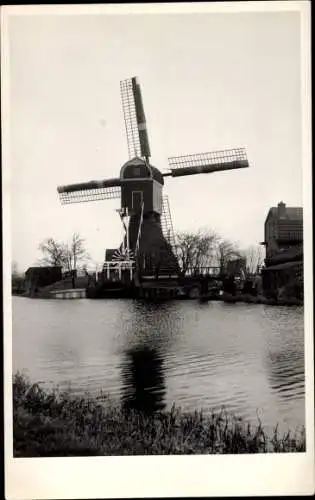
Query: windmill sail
136 129
167 224
149 236
90 191
204 163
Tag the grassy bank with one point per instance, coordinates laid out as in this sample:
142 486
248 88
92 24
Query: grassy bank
53 424
250 299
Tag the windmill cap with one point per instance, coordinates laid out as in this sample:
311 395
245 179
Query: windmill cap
146 170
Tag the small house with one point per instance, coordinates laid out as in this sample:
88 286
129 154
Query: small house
37 277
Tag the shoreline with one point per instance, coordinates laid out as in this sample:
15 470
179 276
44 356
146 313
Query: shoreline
47 424
251 299
227 298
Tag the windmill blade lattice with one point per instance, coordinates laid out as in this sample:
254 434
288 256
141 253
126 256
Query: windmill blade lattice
167 223
148 243
205 163
90 191
136 130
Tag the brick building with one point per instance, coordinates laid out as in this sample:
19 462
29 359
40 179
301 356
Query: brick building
284 251
283 232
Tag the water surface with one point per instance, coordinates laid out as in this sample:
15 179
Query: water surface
248 358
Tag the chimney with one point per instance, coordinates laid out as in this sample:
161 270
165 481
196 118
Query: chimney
281 210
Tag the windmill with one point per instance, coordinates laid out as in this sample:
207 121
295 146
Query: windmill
148 233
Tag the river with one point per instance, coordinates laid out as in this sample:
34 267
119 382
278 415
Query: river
246 358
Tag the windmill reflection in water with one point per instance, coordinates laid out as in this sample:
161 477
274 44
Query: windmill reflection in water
143 379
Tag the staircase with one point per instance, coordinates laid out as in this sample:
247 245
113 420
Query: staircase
167 225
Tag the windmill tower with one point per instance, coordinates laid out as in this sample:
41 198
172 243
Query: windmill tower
144 211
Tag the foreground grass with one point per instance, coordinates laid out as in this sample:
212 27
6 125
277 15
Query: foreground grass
52 424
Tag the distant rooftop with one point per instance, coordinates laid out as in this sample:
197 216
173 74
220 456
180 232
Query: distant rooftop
291 213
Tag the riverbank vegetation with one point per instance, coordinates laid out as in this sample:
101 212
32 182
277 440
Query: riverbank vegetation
49 423
261 299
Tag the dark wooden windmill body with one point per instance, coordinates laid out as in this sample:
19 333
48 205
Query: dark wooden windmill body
148 240
142 199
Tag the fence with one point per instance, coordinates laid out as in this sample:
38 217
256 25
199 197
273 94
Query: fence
202 271
115 269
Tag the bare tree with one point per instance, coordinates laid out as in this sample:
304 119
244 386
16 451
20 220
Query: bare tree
195 250
66 255
75 252
54 252
226 252
17 278
254 259
14 269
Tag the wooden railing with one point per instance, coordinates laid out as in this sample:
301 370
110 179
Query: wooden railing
111 267
203 271
113 271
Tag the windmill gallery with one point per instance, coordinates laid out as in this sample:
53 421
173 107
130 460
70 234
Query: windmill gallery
146 261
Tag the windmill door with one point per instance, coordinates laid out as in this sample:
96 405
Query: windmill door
137 200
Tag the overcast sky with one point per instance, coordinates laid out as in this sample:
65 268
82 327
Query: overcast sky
209 81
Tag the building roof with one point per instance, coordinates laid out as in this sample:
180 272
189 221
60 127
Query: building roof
156 174
288 255
291 213
41 268
284 265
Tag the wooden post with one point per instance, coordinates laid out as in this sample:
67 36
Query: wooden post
119 270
